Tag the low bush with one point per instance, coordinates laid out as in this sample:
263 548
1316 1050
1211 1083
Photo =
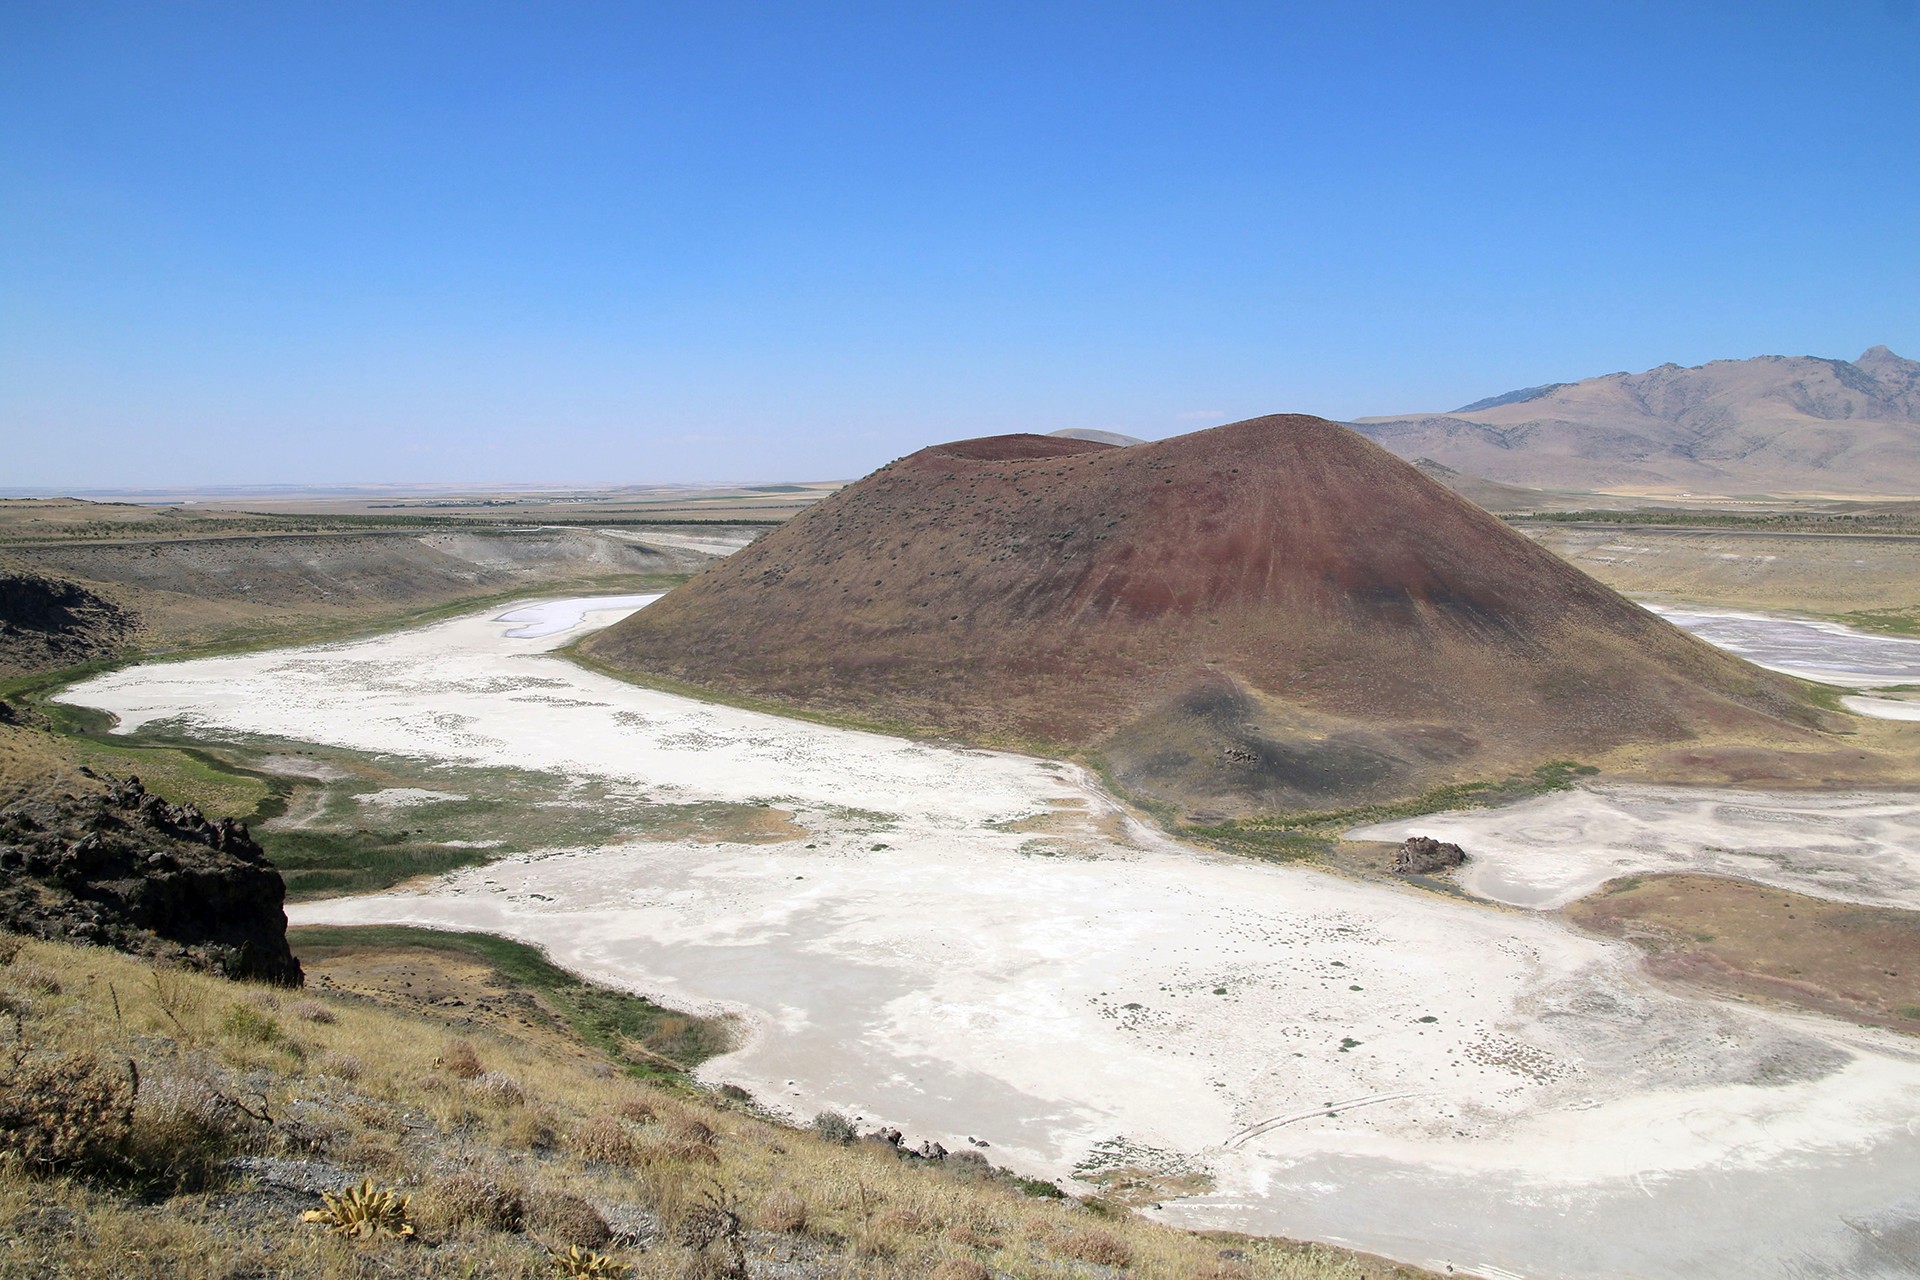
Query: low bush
471 1200
1089 1244
835 1127
559 1220
638 1110
315 1012
498 1089
605 1139
460 1061
250 1025
182 1127
65 1112
693 1132
344 1066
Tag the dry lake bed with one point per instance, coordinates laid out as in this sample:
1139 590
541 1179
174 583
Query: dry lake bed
984 948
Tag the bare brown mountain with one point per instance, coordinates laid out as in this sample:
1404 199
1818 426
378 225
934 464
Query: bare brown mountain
1267 615
1772 424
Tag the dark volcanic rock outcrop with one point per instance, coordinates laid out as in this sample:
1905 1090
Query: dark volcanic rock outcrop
125 869
1423 855
1269 615
47 622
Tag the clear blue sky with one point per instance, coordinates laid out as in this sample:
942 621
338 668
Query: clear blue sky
319 242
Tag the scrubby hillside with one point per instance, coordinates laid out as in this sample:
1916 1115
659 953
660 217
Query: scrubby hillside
1268 615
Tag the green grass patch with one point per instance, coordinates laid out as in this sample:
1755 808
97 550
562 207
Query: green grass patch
1285 837
1891 622
182 776
330 864
649 1040
1827 697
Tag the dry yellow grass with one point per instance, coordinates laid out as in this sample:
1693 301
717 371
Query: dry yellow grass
34 761
682 1185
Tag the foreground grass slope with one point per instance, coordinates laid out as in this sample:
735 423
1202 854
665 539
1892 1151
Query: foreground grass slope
156 1123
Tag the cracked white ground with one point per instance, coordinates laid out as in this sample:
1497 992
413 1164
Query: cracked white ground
1446 1083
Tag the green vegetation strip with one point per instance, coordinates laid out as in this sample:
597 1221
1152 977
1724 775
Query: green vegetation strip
650 1041
1901 523
1285 837
1893 622
333 864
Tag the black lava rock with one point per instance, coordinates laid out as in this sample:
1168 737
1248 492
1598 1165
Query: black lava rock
126 869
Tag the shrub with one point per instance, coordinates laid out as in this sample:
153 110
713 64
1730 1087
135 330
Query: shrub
638 1111
706 1223
692 1132
315 1012
783 1211
604 1139
531 1130
64 1113
835 1127
181 1128
459 1061
250 1025
498 1088
364 1213
341 1065
1098 1247
470 1200
559 1219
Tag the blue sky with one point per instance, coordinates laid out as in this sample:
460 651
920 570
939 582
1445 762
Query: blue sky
312 243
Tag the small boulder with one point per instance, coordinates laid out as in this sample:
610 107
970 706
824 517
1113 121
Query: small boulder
1423 855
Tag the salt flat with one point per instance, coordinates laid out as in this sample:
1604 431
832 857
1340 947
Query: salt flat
1547 851
969 944
1806 647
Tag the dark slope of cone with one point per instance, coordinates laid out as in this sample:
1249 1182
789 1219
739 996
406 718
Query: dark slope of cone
1271 614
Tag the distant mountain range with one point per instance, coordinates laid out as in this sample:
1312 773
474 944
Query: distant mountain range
1772 424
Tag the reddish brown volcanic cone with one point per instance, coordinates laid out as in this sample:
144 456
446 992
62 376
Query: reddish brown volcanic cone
1266 615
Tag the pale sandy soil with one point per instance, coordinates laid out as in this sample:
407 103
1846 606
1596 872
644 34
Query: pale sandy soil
1449 1083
